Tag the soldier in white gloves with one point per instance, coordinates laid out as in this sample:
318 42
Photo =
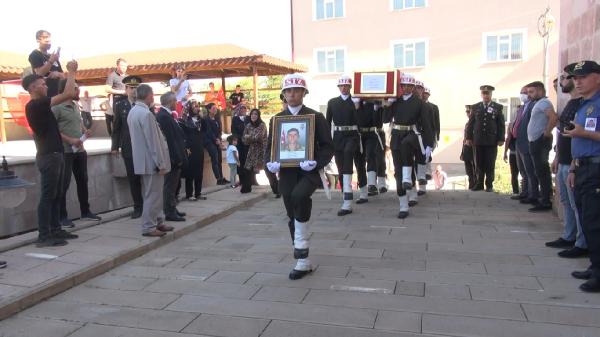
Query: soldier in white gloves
297 184
411 132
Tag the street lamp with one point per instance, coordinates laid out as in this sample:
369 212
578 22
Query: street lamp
546 23
12 188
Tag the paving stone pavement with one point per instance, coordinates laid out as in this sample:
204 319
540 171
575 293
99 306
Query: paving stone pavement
462 264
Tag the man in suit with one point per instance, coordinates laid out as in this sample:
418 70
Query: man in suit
297 184
467 154
176 143
485 131
150 160
341 115
121 140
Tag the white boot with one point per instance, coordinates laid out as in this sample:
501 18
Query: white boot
421 171
303 268
382 184
347 195
428 171
300 239
363 196
371 182
412 197
407 177
403 206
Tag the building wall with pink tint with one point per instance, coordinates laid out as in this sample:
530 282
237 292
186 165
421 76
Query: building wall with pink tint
455 32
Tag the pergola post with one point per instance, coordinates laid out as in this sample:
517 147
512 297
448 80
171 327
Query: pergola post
255 85
2 125
226 119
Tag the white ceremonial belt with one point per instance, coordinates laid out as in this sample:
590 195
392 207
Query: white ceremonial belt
345 128
404 127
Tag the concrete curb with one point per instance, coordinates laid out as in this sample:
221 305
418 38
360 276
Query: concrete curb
13 305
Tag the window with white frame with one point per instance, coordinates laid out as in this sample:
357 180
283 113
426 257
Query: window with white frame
331 60
504 46
406 4
329 9
410 53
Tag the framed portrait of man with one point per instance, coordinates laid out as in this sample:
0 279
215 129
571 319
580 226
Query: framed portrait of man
293 139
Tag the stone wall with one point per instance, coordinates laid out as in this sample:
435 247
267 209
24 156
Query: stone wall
105 191
579 31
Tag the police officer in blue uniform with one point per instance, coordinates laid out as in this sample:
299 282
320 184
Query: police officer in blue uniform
584 173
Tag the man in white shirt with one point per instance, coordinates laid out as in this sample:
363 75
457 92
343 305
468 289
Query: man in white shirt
180 86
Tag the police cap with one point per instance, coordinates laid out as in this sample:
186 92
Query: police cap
132 81
486 88
582 68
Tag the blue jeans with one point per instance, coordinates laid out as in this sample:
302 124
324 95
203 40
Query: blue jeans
533 187
572 229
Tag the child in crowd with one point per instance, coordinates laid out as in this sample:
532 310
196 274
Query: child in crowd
233 159
440 178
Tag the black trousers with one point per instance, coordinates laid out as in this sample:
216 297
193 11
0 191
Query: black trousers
109 123
404 155
273 181
76 164
539 151
51 167
514 172
485 163
360 161
380 157
169 190
216 158
135 184
587 200
344 154
195 172
296 188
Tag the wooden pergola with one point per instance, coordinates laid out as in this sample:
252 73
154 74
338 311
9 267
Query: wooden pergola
200 62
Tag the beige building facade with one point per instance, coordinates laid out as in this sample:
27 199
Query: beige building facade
453 46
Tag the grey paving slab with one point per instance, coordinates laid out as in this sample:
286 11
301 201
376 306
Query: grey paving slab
318 282
562 314
199 287
227 326
119 282
410 288
96 330
280 294
238 277
293 329
276 310
416 304
30 327
111 315
456 267
162 273
567 296
273 268
147 300
333 271
448 291
398 321
470 326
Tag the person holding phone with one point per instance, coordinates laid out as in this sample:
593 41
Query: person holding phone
46 64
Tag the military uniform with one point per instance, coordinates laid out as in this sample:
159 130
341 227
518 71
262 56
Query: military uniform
122 140
370 122
486 129
468 157
341 115
411 132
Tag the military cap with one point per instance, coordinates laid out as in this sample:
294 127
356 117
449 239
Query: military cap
468 106
486 88
132 81
582 68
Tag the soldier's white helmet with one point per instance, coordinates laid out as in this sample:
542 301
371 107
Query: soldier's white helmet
407 79
419 84
344 80
427 91
294 81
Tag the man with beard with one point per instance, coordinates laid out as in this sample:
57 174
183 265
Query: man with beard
341 114
297 184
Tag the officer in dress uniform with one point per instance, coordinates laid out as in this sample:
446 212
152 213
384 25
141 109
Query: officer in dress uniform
584 172
436 127
121 140
467 155
370 122
485 132
341 115
421 159
297 184
411 131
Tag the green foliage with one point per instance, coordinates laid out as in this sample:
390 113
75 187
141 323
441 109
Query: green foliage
502 182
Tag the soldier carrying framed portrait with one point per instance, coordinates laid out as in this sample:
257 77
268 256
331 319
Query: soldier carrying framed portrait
293 139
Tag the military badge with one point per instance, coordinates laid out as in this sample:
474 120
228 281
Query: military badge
589 110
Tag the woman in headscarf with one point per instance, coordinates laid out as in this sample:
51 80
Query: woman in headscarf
255 138
193 127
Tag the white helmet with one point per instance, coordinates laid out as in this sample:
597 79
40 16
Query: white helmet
344 80
427 91
419 84
294 81
407 79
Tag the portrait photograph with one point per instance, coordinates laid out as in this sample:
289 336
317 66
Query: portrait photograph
294 140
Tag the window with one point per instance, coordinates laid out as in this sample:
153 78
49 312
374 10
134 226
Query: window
331 60
406 4
329 9
504 46
509 107
410 53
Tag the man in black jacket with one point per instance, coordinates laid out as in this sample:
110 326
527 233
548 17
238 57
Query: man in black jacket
341 115
212 142
297 184
121 140
176 143
193 127
485 131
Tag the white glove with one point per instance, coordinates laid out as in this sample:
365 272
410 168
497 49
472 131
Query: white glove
273 167
356 100
427 153
308 165
391 100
